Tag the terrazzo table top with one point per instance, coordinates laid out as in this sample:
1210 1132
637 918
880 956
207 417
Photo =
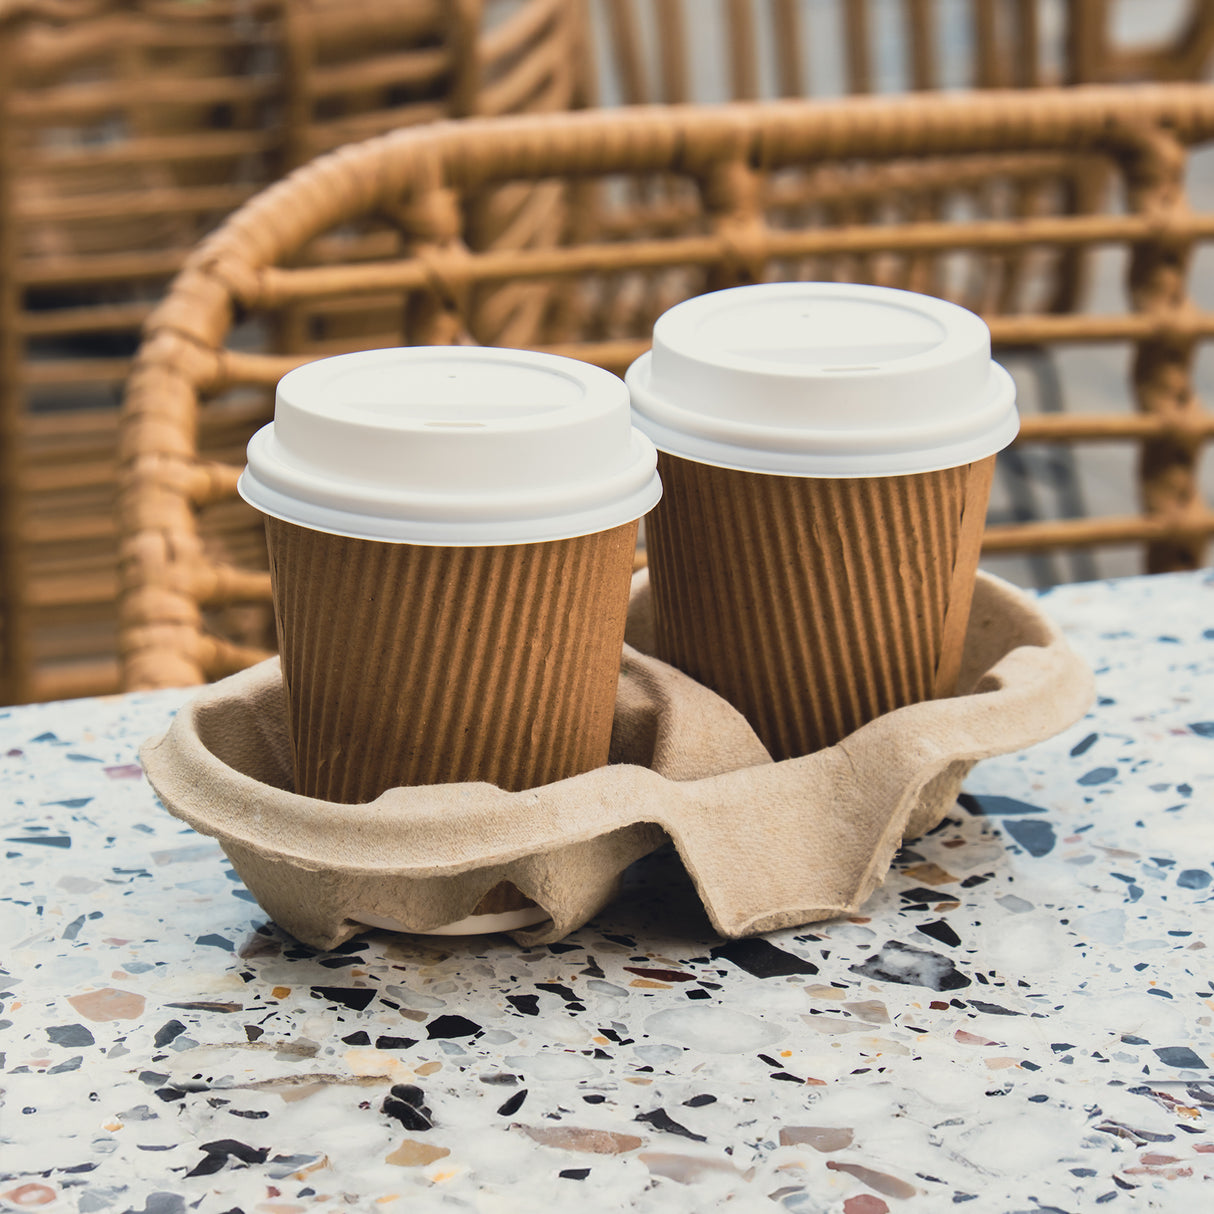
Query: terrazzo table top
1022 1019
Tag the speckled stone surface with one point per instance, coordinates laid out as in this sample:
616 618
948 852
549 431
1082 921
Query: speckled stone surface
1021 1020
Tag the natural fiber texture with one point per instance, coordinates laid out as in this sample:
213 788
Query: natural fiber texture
707 51
128 130
194 609
767 845
648 49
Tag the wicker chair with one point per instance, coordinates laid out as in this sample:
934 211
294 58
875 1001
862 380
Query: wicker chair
699 51
704 51
129 129
671 52
195 590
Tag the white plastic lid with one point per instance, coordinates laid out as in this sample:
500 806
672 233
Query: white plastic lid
458 445
823 380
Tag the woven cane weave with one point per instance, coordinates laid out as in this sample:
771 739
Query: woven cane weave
678 51
196 596
132 126
705 51
128 130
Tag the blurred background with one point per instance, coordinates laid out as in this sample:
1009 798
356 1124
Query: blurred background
130 129
1033 481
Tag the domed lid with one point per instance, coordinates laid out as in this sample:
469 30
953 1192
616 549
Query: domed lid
451 445
823 379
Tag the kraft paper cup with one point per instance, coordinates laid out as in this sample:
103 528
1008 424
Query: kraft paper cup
826 453
451 533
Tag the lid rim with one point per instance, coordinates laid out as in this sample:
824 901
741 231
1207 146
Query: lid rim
708 438
459 533
851 467
399 470
310 486
822 379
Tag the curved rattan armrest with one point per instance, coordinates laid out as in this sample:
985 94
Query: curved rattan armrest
612 215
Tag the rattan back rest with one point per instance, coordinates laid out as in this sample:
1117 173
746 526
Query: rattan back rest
1184 52
176 572
129 129
702 51
706 51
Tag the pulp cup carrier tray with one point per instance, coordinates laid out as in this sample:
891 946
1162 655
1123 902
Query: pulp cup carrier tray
766 844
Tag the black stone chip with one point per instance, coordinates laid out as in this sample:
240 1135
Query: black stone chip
406 1103
451 1026
215 941
992 807
219 1152
557 988
356 998
763 959
662 1120
410 1093
407 1115
941 931
167 1032
513 1103
926 897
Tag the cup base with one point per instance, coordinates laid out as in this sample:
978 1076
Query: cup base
815 605
470 925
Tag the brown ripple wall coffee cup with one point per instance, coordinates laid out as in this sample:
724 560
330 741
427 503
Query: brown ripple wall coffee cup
451 534
826 453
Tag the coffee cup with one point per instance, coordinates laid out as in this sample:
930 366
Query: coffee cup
451 534
826 453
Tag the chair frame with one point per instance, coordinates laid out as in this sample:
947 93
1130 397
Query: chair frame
643 48
129 129
425 172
